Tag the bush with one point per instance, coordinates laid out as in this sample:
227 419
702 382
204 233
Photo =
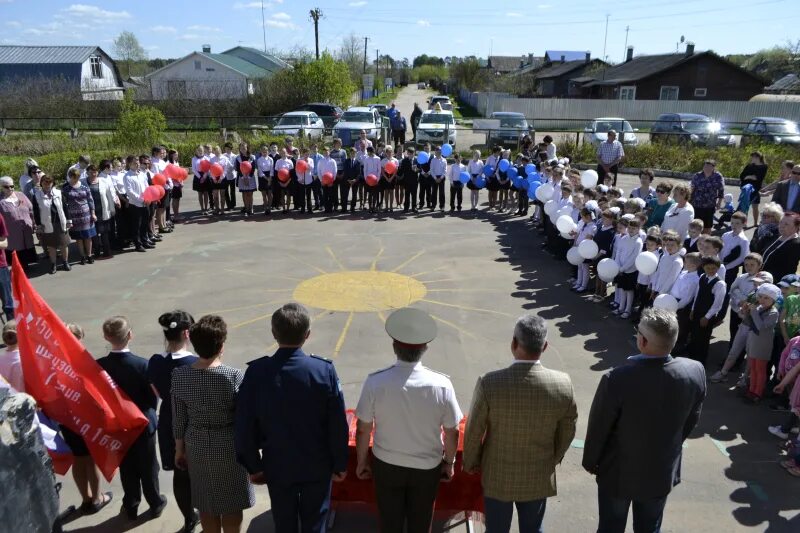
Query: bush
139 125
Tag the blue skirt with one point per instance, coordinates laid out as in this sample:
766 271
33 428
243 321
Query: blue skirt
83 233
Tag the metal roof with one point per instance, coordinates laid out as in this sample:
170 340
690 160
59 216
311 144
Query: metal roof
45 54
239 65
259 58
555 55
787 84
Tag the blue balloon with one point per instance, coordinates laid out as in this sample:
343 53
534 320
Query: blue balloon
523 184
532 193
530 168
447 150
488 170
534 176
464 177
533 184
516 181
503 165
480 182
512 172
422 158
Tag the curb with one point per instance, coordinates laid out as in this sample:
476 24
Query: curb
733 182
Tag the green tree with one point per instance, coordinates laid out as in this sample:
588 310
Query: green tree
425 59
429 73
469 74
772 63
138 126
128 49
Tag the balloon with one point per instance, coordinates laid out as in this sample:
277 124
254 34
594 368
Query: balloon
534 176
480 182
372 180
524 184
204 165
464 177
565 224
247 167
545 192
183 174
150 194
503 165
532 190
327 178
161 191
589 179
447 150
646 263
607 269
565 211
666 301
550 208
574 256
283 174
588 249
159 179
488 170
423 158
302 166
512 172
216 170
172 171
567 236
390 168
530 168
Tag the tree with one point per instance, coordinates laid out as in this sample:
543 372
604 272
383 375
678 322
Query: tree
772 63
351 52
138 126
468 73
425 59
128 49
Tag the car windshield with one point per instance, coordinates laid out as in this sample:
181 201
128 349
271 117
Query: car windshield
513 122
697 124
292 120
605 125
356 116
789 128
437 118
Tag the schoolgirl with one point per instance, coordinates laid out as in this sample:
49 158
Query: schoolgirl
285 187
247 180
586 231
475 169
388 181
177 188
265 167
199 180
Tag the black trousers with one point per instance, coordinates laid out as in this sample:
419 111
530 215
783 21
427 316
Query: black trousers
405 497
316 189
276 193
683 330
182 489
139 224
456 194
138 473
307 502
437 192
302 197
411 194
230 194
523 201
699 340
425 191
344 194
329 198
601 174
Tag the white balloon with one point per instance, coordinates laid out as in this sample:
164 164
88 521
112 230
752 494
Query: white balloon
647 263
666 301
589 179
607 269
544 192
574 256
565 211
550 207
588 249
565 224
567 236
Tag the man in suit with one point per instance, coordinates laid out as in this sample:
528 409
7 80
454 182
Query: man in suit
408 173
521 423
350 181
787 193
291 427
641 414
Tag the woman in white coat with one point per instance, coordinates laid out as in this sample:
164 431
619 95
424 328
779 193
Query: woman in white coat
51 222
105 204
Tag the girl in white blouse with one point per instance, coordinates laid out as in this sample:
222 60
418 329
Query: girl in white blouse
475 169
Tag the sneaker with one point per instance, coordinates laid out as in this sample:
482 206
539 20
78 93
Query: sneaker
778 432
614 305
742 383
719 377
572 281
616 311
625 315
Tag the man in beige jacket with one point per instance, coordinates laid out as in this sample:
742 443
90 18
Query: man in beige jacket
521 424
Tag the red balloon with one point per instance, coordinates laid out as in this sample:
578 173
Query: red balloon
246 167
159 179
372 180
183 174
161 191
173 171
391 167
283 175
216 170
302 166
327 178
205 165
151 194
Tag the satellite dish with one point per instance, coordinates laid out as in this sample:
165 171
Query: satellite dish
683 38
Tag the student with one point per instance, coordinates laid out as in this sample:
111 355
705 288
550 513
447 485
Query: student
735 247
669 267
604 238
285 187
475 168
339 155
305 180
711 246
265 166
652 244
138 470
328 165
177 187
764 318
493 179
523 201
248 183
387 183
645 190
135 183
742 286
585 231
316 186
504 186
275 154
157 166
425 180
456 186
372 166
706 309
199 179
352 181
410 179
683 291
626 250
788 373
695 232
230 177
438 176
217 185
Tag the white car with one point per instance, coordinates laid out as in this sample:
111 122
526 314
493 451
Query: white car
356 119
597 131
437 128
443 101
293 122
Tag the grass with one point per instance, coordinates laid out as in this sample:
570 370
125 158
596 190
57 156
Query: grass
385 97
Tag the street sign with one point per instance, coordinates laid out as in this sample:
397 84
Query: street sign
368 81
387 82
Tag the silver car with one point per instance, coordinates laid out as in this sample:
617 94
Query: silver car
294 122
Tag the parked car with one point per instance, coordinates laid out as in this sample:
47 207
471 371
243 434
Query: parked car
330 113
422 85
513 126
690 128
381 108
312 125
444 101
437 128
771 130
357 119
597 131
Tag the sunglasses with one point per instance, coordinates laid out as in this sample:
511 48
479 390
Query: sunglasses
8 186
661 192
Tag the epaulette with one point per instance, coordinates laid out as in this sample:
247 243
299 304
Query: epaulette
321 358
257 360
381 370
436 371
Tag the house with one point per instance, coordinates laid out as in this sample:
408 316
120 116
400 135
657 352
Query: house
685 76
561 56
555 80
789 84
507 64
208 76
85 68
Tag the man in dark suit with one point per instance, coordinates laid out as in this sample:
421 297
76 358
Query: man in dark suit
641 414
291 427
138 471
350 180
787 193
408 173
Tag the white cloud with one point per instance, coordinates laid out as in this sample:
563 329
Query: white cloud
423 22
281 16
256 5
357 4
206 29
514 15
281 24
189 37
96 13
163 29
14 24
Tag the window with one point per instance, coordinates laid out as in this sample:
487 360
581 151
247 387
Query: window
250 88
627 92
197 65
97 67
668 92
176 89
700 92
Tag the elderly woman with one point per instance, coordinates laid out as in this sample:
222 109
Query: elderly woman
105 201
18 214
658 207
680 213
79 208
782 255
51 222
767 230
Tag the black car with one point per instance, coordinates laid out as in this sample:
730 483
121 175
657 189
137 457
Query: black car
771 130
690 128
329 113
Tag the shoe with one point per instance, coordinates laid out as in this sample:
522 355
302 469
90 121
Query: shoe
719 377
148 246
108 255
155 512
573 281
625 315
742 382
90 259
414 211
131 512
83 260
616 311
247 214
53 268
89 508
157 238
580 290
613 305
66 266
190 525
780 407
778 432
139 249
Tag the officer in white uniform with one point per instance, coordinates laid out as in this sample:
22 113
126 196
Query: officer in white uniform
408 405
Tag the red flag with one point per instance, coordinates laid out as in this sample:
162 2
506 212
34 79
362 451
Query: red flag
68 384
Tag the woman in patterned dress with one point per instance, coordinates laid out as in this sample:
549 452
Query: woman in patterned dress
203 400
17 211
80 211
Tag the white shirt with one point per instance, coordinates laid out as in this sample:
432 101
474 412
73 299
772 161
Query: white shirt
677 219
730 241
585 231
410 404
327 164
475 167
78 166
454 172
196 166
551 151
11 369
157 166
438 166
626 250
718 290
135 184
180 354
372 165
265 166
307 177
684 288
229 165
740 288
669 268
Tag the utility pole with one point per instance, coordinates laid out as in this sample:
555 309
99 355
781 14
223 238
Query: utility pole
315 14
627 29
365 54
377 64
264 26
605 39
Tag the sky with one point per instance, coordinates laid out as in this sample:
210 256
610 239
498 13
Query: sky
409 28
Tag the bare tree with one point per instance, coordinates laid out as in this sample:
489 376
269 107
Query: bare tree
351 52
128 49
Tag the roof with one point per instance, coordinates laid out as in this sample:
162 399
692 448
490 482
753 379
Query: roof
506 114
777 120
507 63
434 112
555 55
252 55
46 54
299 113
239 65
787 84
359 108
556 70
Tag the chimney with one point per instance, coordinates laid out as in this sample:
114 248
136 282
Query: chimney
588 56
563 57
689 49
629 55
206 48
530 59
